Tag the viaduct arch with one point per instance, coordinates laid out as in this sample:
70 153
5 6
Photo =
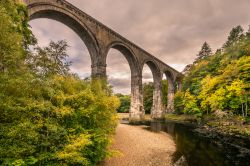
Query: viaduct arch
99 39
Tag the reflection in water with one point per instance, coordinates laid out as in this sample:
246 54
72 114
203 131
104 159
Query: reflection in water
199 150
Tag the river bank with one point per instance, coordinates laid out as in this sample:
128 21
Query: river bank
140 146
199 143
227 126
225 141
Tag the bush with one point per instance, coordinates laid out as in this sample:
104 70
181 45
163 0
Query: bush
47 115
67 124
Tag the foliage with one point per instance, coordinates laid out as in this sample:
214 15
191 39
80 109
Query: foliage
235 35
165 92
50 60
46 124
124 103
178 102
148 89
47 115
190 104
11 50
204 52
219 82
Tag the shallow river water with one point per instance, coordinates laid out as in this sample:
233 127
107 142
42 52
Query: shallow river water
200 150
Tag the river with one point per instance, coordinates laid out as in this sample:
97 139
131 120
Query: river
200 149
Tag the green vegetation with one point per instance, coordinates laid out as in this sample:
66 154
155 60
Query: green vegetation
148 89
165 92
218 84
124 103
48 116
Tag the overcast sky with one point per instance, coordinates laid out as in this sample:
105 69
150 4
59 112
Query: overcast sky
171 30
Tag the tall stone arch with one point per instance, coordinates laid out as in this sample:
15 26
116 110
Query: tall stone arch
50 10
136 107
157 107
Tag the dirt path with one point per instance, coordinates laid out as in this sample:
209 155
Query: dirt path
141 147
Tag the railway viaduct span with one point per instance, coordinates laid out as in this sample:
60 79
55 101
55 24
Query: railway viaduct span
99 39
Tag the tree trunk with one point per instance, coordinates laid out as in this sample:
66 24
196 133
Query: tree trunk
246 110
242 110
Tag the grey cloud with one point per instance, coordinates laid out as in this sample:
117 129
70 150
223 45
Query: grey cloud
171 30
119 82
147 75
120 85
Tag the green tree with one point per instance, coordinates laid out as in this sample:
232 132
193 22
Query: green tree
148 89
205 52
50 60
124 103
190 105
179 102
11 50
48 118
236 96
236 34
218 99
165 92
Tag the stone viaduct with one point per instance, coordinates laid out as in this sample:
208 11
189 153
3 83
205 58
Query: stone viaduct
99 39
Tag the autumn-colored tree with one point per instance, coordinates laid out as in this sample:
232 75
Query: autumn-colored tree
220 81
48 117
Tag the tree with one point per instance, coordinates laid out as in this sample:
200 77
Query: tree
11 50
124 103
178 102
248 32
237 96
204 52
148 89
50 60
187 69
236 34
218 99
165 92
190 104
47 116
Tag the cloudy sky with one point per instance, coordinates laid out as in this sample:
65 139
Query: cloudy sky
172 30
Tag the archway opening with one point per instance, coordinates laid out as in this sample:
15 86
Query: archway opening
169 100
77 51
147 88
118 72
164 91
123 75
152 91
119 77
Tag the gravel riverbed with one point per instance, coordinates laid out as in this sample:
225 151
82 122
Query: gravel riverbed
141 147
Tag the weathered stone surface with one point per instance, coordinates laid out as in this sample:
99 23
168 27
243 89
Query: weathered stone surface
99 39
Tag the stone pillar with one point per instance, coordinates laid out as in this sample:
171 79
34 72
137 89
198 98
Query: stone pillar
157 108
136 107
98 71
98 65
170 106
